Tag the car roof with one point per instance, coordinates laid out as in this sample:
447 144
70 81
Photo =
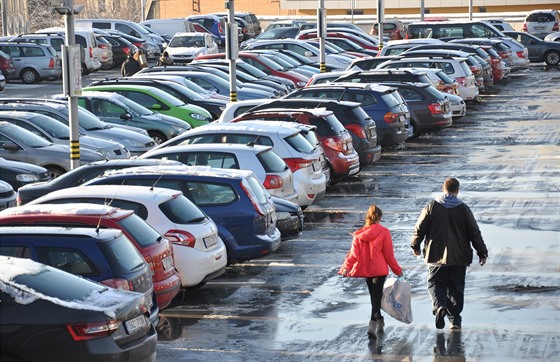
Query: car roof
212 147
368 86
203 171
71 209
62 231
316 112
261 127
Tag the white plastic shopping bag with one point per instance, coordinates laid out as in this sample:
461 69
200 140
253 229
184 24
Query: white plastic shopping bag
396 300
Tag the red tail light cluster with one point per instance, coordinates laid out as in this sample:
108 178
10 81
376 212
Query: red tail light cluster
524 27
297 163
435 108
390 117
87 331
118 283
357 130
520 54
555 27
51 63
273 182
103 46
462 81
181 237
90 52
333 144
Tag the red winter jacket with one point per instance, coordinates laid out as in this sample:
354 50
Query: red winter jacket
372 250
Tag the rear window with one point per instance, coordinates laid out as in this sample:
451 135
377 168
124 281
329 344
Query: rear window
445 78
435 92
143 233
211 194
465 68
181 211
539 17
392 99
122 256
300 144
327 126
271 161
257 189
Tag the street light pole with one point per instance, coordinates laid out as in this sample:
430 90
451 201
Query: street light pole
231 49
321 31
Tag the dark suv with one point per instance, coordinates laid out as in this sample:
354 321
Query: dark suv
359 124
383 104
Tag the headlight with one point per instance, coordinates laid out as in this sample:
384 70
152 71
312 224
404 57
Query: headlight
129 142
283 215
198 117
180 129
26 177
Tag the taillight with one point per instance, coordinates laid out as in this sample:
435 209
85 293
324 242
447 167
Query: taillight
474 69
520 54
357 130
524 27
220 28
51 63
504 55
86 331
117 283
390 117
462 81
90 52
103 46
555 27
273 182
297 163
333 144
181 237
435 108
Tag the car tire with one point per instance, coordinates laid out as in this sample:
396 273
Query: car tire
55 171
157 136
552 58
29 76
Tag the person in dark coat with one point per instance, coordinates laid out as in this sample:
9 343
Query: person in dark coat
130 66
448 229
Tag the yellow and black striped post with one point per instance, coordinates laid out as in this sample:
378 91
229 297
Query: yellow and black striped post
233 96
74 150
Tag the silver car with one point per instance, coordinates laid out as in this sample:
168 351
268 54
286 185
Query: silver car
56 132
33 62
19 144
540 23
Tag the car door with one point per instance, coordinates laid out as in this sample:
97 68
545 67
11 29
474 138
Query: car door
533 46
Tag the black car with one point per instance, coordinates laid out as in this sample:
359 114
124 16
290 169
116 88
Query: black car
51 315
122 48
19 174
359 124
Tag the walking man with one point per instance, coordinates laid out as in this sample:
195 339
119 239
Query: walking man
448 228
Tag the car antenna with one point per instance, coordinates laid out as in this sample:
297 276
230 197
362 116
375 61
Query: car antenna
253 142
155 183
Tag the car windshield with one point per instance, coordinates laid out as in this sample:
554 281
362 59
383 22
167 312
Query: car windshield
187 41
87 119
143 233
181 210
122 255
135 107
271 63
51 126
255 72
21 135
444 77
191 94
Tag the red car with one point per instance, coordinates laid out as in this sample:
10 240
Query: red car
155 249
342 158
264 64
393 29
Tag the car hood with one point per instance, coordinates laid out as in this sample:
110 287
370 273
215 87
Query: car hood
185 50
22 167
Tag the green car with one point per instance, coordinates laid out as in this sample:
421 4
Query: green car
158 101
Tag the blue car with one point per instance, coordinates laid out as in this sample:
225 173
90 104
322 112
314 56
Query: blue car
237 202
215 24
383 104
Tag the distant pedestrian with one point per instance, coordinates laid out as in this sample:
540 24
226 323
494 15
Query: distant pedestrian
130 66
165 59
448 228
370 257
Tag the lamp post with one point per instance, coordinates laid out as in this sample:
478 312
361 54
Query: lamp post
232 48
71 75
322 32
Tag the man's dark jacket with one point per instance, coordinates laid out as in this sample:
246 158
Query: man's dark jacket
130 67
448 227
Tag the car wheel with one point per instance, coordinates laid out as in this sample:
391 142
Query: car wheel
552 58
29 76
84 69
55 171
415 133
157 136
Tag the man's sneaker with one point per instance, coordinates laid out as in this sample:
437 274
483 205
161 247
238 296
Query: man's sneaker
455 326
440 317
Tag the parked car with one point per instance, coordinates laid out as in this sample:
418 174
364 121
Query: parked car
234 199
33 189
386 108
155 249
89 124
335 140
18 174
393 29
56 132
106 256
105 52
215 24
288 32
2 82
541 22
48 313
452 29
7 195
120 46
550 37
184 47
18 144
33 62
539 50
7 67
500 24
158 101
199 254
118 109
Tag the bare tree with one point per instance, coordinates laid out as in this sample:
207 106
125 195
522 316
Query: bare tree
42 15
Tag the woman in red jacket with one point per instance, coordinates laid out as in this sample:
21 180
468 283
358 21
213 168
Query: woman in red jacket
369 258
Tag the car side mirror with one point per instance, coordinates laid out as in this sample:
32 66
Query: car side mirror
125 116
10 146
308 54
156 106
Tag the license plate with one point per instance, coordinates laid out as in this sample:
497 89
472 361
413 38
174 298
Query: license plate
210 241
540 27
167 263
317 166
149 301
135 324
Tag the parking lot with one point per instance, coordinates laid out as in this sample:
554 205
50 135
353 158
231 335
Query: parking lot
292 305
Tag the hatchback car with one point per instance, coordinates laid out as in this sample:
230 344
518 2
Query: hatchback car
155 249
48 313
538 49
19 174
7 67
33 62
199 254
234 199
184 47
106 256
215 24
303 158
541 22
19 144
118 109
335 140
158 101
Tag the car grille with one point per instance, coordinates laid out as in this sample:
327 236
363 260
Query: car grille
7 194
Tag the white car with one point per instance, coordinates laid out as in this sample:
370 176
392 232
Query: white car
268 167
184 47
303 158
199 252
2 82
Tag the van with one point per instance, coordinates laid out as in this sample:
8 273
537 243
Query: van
169 26
154 42
452 29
